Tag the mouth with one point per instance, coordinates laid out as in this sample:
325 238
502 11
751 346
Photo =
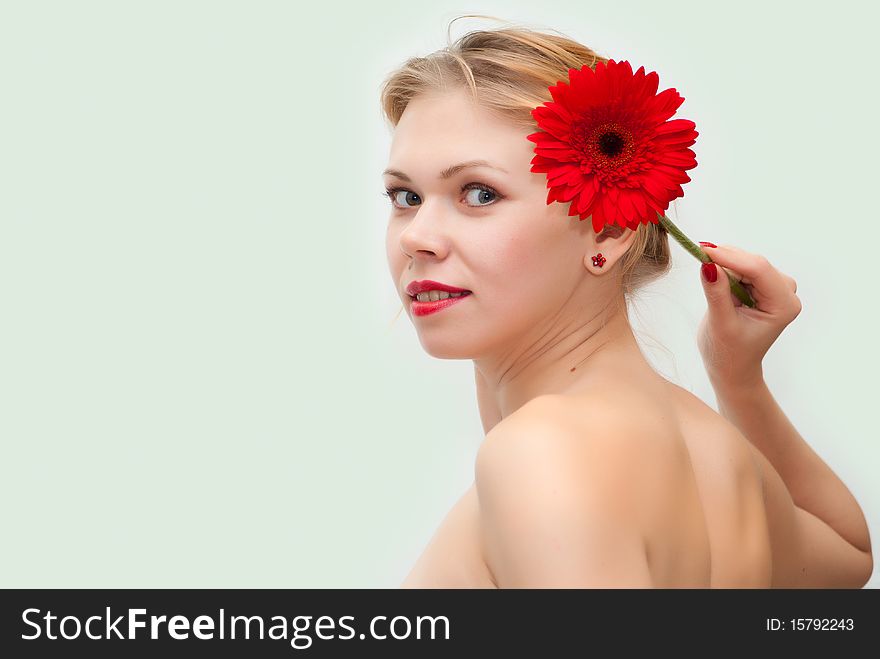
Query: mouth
424 308
449 296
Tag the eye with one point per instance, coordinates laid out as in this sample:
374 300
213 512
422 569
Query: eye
484 192
394 195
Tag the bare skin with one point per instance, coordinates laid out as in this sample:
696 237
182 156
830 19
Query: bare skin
726 518
712 498
736 499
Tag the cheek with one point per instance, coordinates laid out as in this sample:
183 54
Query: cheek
526 272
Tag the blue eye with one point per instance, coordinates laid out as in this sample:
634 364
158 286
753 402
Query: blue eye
483 190
392 193
409 196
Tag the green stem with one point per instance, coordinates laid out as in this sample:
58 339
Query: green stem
735 286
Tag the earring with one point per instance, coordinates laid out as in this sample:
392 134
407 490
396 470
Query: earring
599 260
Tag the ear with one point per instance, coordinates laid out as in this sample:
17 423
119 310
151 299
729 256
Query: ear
611 243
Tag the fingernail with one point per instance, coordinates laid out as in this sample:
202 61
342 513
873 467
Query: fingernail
707 244
710 271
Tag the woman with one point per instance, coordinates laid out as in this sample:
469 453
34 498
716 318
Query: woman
595 470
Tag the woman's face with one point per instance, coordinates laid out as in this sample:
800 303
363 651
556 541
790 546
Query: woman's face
487 229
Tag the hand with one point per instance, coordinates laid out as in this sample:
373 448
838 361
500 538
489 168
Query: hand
733 338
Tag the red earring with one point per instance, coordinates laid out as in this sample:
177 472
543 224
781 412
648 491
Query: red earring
599 260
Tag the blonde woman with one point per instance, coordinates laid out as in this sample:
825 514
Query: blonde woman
595 471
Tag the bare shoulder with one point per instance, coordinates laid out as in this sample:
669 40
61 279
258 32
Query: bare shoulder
622 444
602 420
566 488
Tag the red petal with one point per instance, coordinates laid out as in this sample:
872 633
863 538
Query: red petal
682 159
549 120
547 141
639 202
676 131
638 87
591 193
609 208
625 203
569 176
653 82
598 218
583 200
674 173
559 92
654 187
666 103
542 138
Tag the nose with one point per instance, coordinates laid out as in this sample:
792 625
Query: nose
424 235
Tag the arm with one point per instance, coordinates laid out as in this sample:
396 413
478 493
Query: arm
825 522
552 514
819 533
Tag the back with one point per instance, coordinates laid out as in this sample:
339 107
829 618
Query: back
730 489
706 524
783 544
716 513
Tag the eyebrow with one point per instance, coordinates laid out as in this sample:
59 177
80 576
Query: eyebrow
449 172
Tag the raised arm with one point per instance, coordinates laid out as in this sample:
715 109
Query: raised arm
821 536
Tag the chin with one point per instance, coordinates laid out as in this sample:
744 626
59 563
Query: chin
451 346
446 349
462 338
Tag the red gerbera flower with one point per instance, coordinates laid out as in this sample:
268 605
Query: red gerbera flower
607 147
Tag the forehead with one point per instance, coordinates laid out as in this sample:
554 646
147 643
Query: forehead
448 127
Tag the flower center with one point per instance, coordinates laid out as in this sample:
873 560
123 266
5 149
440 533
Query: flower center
611 148
611 144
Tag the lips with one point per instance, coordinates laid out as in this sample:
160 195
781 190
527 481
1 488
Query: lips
420 286
433 306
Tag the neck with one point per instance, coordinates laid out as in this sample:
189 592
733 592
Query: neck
563 357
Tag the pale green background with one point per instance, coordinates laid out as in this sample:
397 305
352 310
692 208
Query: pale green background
200 381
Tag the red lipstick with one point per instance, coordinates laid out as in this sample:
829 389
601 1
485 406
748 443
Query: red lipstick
425 308
422 285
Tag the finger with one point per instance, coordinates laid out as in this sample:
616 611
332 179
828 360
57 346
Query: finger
718 297
753 269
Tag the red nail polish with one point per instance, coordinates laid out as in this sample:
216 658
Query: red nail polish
707 244
710 271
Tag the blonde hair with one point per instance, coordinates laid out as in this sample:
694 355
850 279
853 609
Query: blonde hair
508 71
